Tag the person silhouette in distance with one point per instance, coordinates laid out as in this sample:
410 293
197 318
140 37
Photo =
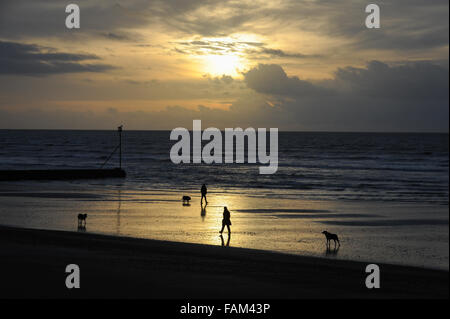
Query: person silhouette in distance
204 191
226 221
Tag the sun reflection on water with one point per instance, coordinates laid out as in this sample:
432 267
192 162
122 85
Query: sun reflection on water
259 221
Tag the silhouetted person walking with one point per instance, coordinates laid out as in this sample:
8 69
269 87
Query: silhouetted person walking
204 191
226 221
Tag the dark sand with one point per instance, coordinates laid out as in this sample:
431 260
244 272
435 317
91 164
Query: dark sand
32 264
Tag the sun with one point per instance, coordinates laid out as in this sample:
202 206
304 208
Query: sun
223 64
220 56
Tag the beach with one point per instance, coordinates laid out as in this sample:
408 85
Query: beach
413 234
118 267
395 233
386 200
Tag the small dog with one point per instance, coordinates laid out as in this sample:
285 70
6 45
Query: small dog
186 199
331 237
82 219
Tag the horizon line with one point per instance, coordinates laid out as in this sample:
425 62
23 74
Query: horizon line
222 130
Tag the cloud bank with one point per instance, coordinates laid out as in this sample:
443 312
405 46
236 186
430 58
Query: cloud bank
378 97
29 59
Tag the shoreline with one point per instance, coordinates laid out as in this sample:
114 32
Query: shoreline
419 237
126 237
126 267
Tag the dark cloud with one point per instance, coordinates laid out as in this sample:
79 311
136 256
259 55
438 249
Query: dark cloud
413 80
271 79
379 97
220 80
120 36
409 80
282 54
46 18
405 25
30 59
414 25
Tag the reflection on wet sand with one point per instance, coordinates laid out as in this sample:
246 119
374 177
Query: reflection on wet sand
228 240
331 251
203 213
258 222
119 206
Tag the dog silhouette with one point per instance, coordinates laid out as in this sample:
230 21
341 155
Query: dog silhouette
331 237
82 219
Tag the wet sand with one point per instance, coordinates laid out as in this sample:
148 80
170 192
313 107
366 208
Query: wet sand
394 233
33 265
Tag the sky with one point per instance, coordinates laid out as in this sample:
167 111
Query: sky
297 65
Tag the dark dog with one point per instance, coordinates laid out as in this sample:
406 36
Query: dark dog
82 219
331 237
186 199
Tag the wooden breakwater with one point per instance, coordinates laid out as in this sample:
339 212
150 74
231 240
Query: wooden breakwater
61 174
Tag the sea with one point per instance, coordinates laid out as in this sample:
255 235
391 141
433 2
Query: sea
384 194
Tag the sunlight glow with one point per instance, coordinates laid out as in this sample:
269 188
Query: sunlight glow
217 65
220 56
